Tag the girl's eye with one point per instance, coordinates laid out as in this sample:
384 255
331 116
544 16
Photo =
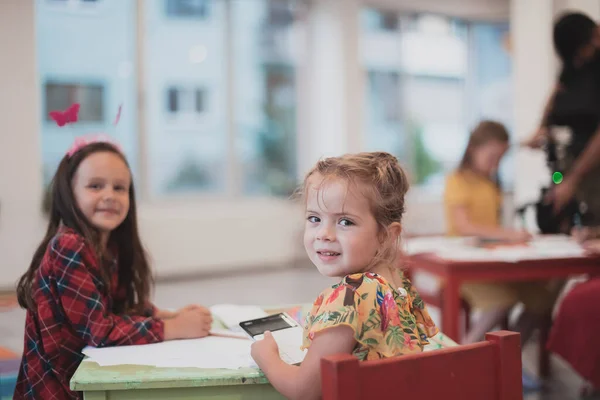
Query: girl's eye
346 222
313 219
120 188
94 186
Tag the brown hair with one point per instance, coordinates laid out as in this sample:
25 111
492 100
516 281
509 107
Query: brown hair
134 269
386 183
485 132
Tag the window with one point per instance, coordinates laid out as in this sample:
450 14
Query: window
378 20
280 13
100 81
383 121
429 80
267 42
187 130
193 146
219 90
186 101
188 8
59 96
385 91
492 87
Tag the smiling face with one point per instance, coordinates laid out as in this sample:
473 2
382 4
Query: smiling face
341 233
101 189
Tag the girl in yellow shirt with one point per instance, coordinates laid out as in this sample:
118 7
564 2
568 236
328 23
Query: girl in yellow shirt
473 201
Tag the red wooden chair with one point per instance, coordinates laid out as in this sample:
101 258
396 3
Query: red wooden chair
489 370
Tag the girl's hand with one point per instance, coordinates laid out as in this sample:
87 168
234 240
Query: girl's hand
188 324
581 234
592 247
166 314
264 350
191 307
537 140
561 194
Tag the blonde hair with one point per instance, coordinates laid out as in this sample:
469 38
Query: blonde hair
386 183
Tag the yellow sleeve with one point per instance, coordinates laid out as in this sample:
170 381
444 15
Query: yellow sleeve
457 192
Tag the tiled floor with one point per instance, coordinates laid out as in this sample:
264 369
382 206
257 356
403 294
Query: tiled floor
291 286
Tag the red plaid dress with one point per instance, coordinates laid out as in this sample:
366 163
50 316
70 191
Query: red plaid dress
71 313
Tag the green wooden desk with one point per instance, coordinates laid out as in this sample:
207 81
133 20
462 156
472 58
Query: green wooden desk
143 382
125 382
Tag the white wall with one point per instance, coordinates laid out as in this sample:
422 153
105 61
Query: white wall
20 163
534 72
216 236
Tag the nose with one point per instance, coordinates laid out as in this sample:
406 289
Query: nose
326 233
108 194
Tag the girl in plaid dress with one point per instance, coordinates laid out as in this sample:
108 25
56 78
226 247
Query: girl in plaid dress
89 280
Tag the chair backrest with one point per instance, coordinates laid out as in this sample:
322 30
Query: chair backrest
489 370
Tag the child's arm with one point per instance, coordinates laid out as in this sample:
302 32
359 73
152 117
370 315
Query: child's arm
592 246
303 382
466 227
167 314
86 308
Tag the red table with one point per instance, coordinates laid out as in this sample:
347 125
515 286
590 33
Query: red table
454 273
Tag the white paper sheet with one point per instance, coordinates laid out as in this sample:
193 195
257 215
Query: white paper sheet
460 249
209 352
231 314
231 350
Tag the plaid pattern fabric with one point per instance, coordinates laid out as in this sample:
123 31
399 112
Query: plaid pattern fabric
72 311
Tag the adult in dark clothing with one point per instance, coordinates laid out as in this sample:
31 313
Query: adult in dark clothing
575 106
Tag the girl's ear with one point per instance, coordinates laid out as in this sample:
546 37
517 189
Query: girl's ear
394 230
391 233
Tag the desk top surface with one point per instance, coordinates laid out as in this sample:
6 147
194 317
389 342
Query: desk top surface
469 250
90 376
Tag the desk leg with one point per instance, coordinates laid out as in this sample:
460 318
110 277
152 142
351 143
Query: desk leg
451 309
544 355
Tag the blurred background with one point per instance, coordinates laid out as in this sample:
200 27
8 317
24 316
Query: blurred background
227 103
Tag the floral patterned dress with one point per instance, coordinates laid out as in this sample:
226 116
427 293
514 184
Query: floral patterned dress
387 322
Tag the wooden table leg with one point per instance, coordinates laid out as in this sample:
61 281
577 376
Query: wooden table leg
544 355
451 309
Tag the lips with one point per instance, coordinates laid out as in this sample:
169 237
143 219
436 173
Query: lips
108 211
327 253
328 256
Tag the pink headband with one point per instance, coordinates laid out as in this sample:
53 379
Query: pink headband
82 141
70 115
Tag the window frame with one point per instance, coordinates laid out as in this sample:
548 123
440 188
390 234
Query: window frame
56 80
